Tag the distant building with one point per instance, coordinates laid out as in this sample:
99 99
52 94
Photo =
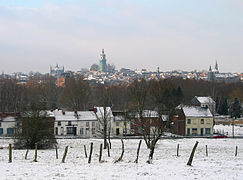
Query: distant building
8 123
103 66
80 123
122 123
213 72
56 71
205 102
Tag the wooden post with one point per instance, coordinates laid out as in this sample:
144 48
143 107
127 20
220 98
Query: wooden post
108 150
65 154
101 152
35 160
189 163
90 153
56 152
206 150
120 158
139 145
26 154
177 152
85 152
236 149
10 153
109 139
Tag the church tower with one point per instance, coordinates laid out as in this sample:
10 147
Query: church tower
216 67
211 75
103 66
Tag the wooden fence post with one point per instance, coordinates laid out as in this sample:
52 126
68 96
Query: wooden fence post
236 149
90 153
101 152
35 160
206 150
108 150
56 152
120 158
189 163
65 154
139 145
10 153
85 151
177 151
26 154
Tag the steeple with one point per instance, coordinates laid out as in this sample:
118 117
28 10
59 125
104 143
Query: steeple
210 68
216 66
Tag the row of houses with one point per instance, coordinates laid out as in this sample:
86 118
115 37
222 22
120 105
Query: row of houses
194 120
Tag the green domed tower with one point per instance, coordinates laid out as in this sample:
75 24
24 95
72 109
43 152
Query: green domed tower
103 66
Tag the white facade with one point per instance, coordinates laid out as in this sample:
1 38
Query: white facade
7 126
84 124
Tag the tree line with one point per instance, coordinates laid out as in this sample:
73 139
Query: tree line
78 94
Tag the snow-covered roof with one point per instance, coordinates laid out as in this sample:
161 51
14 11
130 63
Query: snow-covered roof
152 114
61 115
9 119
205 100
196 111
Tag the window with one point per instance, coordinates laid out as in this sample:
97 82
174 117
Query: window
62 131
202 121
0 124
69 130
125 131
117 123
81 131
125 124
93 130
69 123
188 131
87 131
56 130
1 130
93 124
194 131
10 130
207 130
87 124
59 123
188 121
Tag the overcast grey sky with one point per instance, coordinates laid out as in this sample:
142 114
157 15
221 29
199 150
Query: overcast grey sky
171 34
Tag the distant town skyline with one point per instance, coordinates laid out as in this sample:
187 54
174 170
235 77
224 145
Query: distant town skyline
169 34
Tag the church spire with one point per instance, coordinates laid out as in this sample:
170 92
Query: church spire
210 68
216 66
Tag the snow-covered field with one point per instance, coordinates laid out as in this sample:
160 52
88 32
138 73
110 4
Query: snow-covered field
220 164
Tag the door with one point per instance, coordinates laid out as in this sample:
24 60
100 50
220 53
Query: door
74 131
117 131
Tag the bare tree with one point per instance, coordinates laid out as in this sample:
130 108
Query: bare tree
104 114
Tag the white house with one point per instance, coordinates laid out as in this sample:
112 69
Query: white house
80 123
7 124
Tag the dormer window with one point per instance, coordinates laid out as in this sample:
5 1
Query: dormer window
69 123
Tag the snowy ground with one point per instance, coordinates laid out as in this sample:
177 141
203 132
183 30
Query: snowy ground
228 129
220 164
